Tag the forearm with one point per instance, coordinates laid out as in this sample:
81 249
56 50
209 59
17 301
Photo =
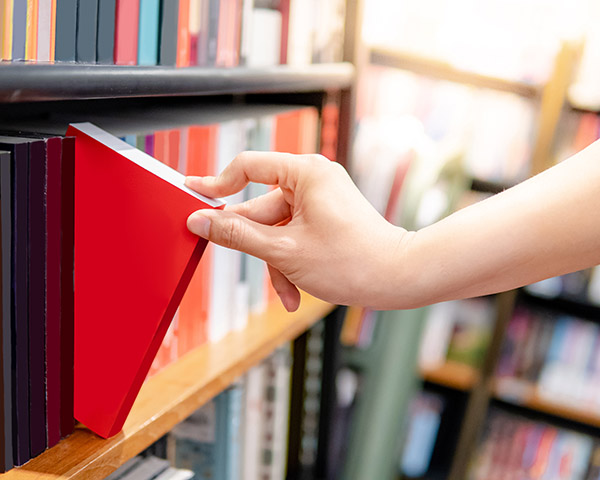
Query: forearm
547 226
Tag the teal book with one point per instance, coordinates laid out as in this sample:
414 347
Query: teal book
148 35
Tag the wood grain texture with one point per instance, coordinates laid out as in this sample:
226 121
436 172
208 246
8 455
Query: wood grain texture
172 395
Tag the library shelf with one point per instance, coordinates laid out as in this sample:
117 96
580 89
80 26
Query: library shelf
445 71
525 394
33 82
173 394
457 376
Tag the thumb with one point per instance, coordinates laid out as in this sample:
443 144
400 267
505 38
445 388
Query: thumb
234 231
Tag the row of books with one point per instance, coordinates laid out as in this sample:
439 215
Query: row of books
516 447
221 33
556 354
493 132
150 468
37 212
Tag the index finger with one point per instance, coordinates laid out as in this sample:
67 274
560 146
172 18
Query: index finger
269 168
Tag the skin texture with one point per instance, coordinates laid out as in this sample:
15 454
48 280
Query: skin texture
318 233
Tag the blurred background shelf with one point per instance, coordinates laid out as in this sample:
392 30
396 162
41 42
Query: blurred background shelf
458 376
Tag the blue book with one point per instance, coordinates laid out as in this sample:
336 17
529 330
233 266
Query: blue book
148 35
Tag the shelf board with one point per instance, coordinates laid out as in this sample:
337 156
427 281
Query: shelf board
525 394
172 395
444 71
32 82
451 374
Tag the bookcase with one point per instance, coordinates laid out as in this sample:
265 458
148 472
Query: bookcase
31 92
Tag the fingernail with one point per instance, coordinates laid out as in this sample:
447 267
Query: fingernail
199 224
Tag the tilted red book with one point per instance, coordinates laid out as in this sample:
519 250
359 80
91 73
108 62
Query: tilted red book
134 258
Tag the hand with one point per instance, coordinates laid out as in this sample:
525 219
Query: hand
316 231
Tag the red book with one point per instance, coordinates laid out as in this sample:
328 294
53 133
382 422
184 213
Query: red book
126 32
183 34
134 258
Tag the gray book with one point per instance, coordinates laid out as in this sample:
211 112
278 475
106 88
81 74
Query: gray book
66 30
148 469
127 467
19 29
213 32
168 33
87 23
6 256
105 40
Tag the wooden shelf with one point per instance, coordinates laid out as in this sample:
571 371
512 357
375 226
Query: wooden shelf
444 71
172 395
31 82
525 394
453 375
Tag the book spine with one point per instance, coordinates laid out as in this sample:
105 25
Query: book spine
105 42
37 295
7 311
53 288
87 24
149 32
20 292
19 29
66 30
44 30
126 32
194 29
183 34
212 39
284 8
168 32
67 423
31 39
6 29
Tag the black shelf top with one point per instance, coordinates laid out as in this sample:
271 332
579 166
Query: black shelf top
34 82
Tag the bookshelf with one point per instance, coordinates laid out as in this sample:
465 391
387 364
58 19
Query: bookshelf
453 375
173 394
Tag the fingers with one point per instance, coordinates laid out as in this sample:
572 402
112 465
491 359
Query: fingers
268 209
237 232
270 168
287 291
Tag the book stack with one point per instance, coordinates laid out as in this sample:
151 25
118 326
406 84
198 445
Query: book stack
515 447
207 33
553 356
36 196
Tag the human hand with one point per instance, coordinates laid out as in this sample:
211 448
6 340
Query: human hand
316 231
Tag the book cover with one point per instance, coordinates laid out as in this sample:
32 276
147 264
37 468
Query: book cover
19 29
6 29
31 39
37 294
6 252
45 29
67 321
87 24
66 30
168 32
105 40
20 338
126 32
183 34
149 32
143 280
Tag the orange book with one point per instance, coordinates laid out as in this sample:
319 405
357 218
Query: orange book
183 34
296 131
6 33
173 145
195 305
32 30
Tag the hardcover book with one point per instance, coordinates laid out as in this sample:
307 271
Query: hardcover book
134 258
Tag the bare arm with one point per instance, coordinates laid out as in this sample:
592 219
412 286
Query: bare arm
319 234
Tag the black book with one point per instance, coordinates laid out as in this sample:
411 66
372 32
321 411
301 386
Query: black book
87 24
19 149
6 455
168 32
37 295
66 30
105 39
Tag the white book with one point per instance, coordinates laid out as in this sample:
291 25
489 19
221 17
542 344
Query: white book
253 422
265 38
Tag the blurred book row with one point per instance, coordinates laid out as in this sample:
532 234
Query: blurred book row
208 33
